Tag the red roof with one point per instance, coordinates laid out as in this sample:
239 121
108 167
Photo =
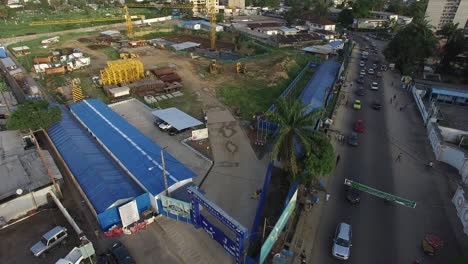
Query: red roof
316 20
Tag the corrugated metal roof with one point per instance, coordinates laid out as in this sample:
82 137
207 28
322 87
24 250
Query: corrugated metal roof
336 44
449 92
8 62
178 119
2 52
316 91
185 45
137 153
103 182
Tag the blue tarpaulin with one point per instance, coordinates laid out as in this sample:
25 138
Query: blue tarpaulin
139 155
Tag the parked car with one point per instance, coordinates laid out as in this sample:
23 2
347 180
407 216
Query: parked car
360 79
376 105
362 72
374 66
374 86
357 104
379 74
173 131
359 126
370 71
353 195
118 254
362 63
361 91
49 240
342 242
353 139
164 126
158 122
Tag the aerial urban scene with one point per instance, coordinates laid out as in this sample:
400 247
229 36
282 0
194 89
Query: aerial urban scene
234 131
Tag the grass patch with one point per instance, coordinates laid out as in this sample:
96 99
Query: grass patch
111 53
188 103
250 96
20 24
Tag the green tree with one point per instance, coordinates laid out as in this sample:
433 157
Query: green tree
411 46
417 9
448 30
220 17
361 8
456 44
346 17
296 129
34 115
396 6
320 8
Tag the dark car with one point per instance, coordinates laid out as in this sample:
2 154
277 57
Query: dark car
353 139
173 131
361 91
360 79
353 195
376 105
118 254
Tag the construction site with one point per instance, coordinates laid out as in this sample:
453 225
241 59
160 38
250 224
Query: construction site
114 65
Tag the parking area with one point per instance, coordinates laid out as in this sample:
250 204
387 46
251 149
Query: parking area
16 240
139 115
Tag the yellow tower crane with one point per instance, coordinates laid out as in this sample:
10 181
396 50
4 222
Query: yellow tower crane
210 7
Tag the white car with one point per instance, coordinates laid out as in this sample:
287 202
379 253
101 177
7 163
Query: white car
370 71
362 64
342 242
164 126
374 86
362 72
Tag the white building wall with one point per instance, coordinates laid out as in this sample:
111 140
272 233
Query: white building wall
452 135
20 206
461 205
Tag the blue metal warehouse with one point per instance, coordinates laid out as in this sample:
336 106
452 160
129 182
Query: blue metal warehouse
317 91
137 154
105 185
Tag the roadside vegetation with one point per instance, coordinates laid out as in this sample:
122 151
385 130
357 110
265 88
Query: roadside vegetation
34 115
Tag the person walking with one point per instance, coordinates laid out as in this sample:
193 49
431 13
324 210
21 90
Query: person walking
327 197
398 158
337 159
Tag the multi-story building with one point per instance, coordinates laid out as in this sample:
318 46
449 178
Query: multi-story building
239 4
200 6
441 12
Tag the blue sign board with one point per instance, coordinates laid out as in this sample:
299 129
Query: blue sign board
234 248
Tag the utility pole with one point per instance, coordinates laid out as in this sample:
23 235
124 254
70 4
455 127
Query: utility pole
164 171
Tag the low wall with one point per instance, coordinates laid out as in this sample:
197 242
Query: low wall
461 204
452 135
19 207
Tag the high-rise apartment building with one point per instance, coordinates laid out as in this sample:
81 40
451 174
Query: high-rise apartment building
240 4
441 12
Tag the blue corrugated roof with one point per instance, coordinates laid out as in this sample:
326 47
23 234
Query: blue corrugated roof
130 147
2 52
103 182
449 92
336 44
316 91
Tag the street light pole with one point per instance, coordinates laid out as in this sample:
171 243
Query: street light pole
164 171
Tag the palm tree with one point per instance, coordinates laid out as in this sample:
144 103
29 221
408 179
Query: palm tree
296 140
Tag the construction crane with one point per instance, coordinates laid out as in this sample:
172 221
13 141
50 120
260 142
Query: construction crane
210 7
127 18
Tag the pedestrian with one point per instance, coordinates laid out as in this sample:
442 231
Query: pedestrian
327 197
401 108
256 194
337 159
398 158
391 100
392 84
346 103
394 97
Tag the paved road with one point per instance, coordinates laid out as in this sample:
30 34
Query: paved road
385 232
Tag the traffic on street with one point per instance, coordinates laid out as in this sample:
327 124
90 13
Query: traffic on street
381 152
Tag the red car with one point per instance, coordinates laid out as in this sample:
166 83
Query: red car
359 126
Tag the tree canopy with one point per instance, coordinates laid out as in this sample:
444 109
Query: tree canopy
456 44
346 17
304 152
411 46
34 115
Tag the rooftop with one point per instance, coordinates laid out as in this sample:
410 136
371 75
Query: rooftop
453 116
7 62
316 20
139 155
264 25
427 84
20 168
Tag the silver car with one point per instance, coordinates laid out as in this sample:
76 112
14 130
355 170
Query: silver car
342 242
49 240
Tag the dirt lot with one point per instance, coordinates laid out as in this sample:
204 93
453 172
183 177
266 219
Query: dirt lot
205 42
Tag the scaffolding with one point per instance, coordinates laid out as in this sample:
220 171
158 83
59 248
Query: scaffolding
122 71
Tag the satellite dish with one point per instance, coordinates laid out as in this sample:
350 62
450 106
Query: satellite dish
19 191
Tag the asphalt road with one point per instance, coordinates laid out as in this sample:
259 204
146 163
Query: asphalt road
385 233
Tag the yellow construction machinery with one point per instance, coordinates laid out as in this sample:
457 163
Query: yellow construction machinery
128 55
215 68
127 18
241 68
209 6
122 71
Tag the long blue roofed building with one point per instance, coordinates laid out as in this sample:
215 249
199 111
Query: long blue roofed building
112 162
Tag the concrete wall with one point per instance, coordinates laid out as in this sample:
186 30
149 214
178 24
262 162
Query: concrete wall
461 204
20 206
461 16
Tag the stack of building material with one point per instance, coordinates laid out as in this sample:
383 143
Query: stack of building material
159 72
170 78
